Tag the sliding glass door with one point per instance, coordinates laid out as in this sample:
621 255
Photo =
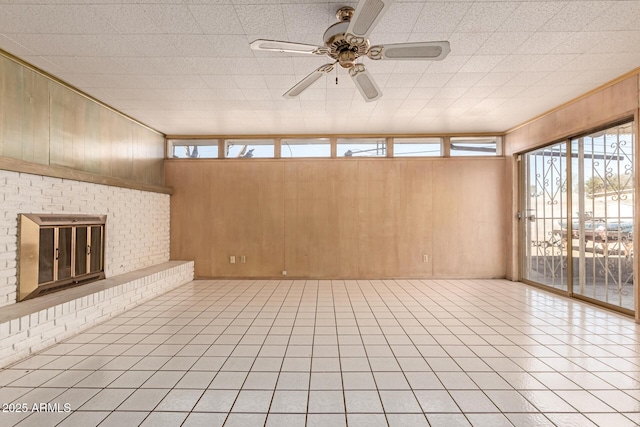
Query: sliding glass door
591 255
603 200
544 216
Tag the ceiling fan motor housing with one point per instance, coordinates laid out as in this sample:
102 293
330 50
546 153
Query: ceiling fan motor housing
344 48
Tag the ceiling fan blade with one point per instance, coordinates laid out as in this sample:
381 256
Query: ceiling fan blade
433 51
282 46
303 84
365 83
366 16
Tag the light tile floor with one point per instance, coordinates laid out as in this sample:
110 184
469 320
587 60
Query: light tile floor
336 353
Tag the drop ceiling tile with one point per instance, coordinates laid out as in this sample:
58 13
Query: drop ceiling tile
190 81
157 81
94 65
174 19
576 16
202 65
53 19
441 17
479 92
287 66
380 67
307 105
139 94
557 77
542 43
216 18
537 91
422 93
130 18
97 81
342 92
42 44
440 103
309 18
552 62
137 65
414 104
527 78
176 65
400 14
337 105
530 16
434 80
482 63
450 92
396 92
402 80
595 61
507 92
487 105
389 38
191 45
618 42
496 79
240 65
412 67
152 45
260 18
256 94
515 63
451 64
503 43
465 79
580 42
486 16
467 43
219 81
281 82
222 46
250 81
228 93
466 103
621 16
13 47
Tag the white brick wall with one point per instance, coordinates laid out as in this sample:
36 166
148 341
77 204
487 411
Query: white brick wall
137 233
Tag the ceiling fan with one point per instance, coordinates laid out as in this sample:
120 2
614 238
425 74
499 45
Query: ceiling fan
347 40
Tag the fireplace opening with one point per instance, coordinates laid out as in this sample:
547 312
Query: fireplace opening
59 251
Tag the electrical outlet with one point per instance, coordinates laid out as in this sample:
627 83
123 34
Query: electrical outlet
284 272
232 259
425 258
243 259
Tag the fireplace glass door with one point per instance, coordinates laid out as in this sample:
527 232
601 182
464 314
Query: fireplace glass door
69 253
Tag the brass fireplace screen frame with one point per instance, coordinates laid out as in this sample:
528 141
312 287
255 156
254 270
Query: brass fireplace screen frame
58 251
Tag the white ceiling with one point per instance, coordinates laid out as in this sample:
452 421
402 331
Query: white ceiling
185 67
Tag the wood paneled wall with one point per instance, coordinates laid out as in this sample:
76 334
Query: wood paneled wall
46 123
339 218
616 101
